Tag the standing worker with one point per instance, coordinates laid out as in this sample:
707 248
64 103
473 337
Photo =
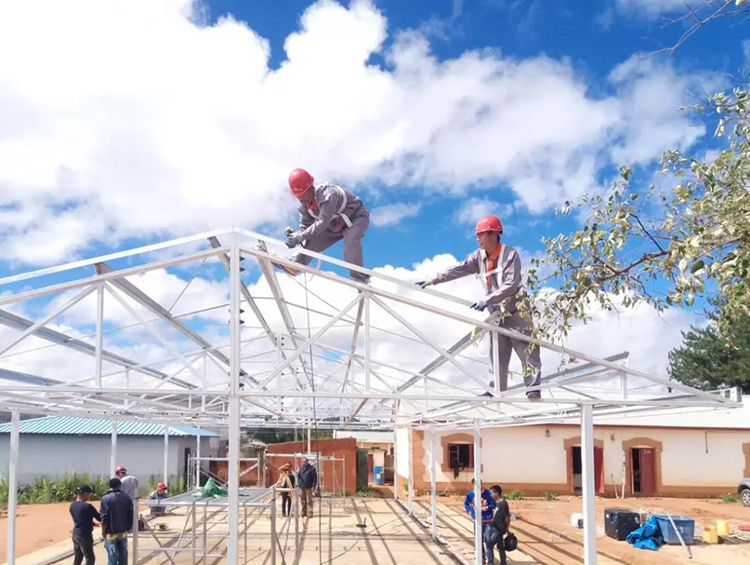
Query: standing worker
498 267
487 507
308 480
117 519
83 514
327 214
501 523
286 481
130 487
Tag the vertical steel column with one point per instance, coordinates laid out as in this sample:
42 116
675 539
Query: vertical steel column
395 463
192 532
296 519
433 485
477 493
15 425
99 335
198 460
165 472
309 444
235 344
367 340
410 499
589 509
274 535
113 450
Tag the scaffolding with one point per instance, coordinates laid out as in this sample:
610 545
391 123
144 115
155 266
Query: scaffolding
313 351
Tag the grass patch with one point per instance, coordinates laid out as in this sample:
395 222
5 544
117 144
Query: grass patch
550 496
728 498
365 493
514 495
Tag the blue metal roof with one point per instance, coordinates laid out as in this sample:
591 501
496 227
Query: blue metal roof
69 425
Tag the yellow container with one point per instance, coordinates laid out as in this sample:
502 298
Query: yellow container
710 535
722 527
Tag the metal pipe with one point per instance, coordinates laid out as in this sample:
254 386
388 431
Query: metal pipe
587 463
15 426
477 494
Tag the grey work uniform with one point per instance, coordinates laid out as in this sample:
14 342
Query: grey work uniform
502 296
337 214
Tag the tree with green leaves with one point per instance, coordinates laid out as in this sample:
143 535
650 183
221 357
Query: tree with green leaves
663 248
710 360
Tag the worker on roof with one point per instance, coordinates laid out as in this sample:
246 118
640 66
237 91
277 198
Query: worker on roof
498 268
327 214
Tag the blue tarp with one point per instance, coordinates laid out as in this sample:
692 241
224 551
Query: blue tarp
648 536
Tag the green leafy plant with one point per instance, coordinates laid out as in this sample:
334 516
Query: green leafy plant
728 498
550 496
514 495
365 493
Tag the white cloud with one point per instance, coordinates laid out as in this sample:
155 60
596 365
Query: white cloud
393 214
474 208
651 94
131 120
652 9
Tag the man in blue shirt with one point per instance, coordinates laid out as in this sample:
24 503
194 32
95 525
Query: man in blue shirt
488 505
117 520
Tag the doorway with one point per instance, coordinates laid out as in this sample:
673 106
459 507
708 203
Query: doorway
577 469
643 470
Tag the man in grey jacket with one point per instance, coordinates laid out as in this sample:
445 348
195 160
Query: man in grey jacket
327 214
498 267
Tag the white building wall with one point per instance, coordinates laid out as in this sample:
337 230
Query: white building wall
709 458
54 455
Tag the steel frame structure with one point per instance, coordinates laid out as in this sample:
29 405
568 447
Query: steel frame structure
381 356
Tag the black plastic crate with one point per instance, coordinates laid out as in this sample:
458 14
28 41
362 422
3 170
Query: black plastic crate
619 522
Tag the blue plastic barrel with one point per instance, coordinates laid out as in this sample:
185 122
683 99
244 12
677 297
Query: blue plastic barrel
378 477
686 527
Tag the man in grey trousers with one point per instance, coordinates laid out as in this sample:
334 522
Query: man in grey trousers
498 267
327 214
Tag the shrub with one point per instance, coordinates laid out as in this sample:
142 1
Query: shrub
514 495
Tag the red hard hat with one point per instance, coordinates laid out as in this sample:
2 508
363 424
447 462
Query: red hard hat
161 486
489 223
300 181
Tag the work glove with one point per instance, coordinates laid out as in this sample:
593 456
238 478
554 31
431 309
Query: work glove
292 240
479 305
422 284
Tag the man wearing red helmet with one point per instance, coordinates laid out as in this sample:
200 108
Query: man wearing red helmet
498 268
327 214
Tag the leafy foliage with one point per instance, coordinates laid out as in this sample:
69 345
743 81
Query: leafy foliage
710 360
44 490
692 239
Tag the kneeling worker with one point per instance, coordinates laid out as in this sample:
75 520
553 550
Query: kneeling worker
498 267
327 214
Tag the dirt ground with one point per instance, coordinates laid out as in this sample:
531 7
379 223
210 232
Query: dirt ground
546 536
543 528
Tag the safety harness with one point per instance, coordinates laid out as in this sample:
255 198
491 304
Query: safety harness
313 206
491 265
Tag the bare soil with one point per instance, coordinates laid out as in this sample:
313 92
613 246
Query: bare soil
545 534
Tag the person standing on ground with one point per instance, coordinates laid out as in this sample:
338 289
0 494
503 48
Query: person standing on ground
498 267
308 480
286 481
160 493
130 487
487 508
117 521
500 522
83 514
327 214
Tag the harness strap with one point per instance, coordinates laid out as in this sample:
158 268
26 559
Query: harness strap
340 211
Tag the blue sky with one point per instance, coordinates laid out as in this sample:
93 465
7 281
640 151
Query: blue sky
187 116
128 124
